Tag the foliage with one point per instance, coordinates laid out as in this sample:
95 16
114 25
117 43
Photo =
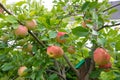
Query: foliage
65 16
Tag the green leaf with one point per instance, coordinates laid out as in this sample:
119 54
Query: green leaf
95 74
52 34
101 41
20 3
117 46
53 77
64 37
85 5
93 5
11 19
112 11
7 66
80 31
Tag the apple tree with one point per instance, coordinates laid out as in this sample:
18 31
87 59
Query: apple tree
75 40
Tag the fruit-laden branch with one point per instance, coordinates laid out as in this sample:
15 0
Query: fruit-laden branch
72 67
31 33
111 7
108 26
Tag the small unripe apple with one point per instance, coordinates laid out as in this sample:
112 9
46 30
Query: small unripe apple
58 37
101 56
55 51
31 24
106 66
1 10
21 31
28 48
71 49
5 38
21 71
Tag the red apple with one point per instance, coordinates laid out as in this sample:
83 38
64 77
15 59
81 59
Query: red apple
58 37
21 31
71 49
31 24
21 71
101 57
55 51
106 66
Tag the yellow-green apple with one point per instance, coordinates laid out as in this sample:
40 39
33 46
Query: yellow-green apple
101 56
58 37
4 38
71 49
21 31
31 24
55 51
21 71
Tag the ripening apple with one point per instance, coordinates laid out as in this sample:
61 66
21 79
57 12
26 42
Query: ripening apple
106 66
21 71
1 10
101 56
28 48
55 51
21 31
31 24
71 49
58 37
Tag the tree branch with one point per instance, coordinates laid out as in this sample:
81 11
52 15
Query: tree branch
108 26
111 7
57 74
31 33
72 67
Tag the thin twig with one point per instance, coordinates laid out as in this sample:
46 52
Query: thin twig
111 7
108 26
57 74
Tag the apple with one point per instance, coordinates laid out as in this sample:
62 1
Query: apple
31 24
21 31
55 51
4 38
1 10
21 71
106 66
58 37
71 49
101 57
28 48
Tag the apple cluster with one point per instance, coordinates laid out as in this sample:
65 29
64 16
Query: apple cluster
56 51
102 58
22 31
